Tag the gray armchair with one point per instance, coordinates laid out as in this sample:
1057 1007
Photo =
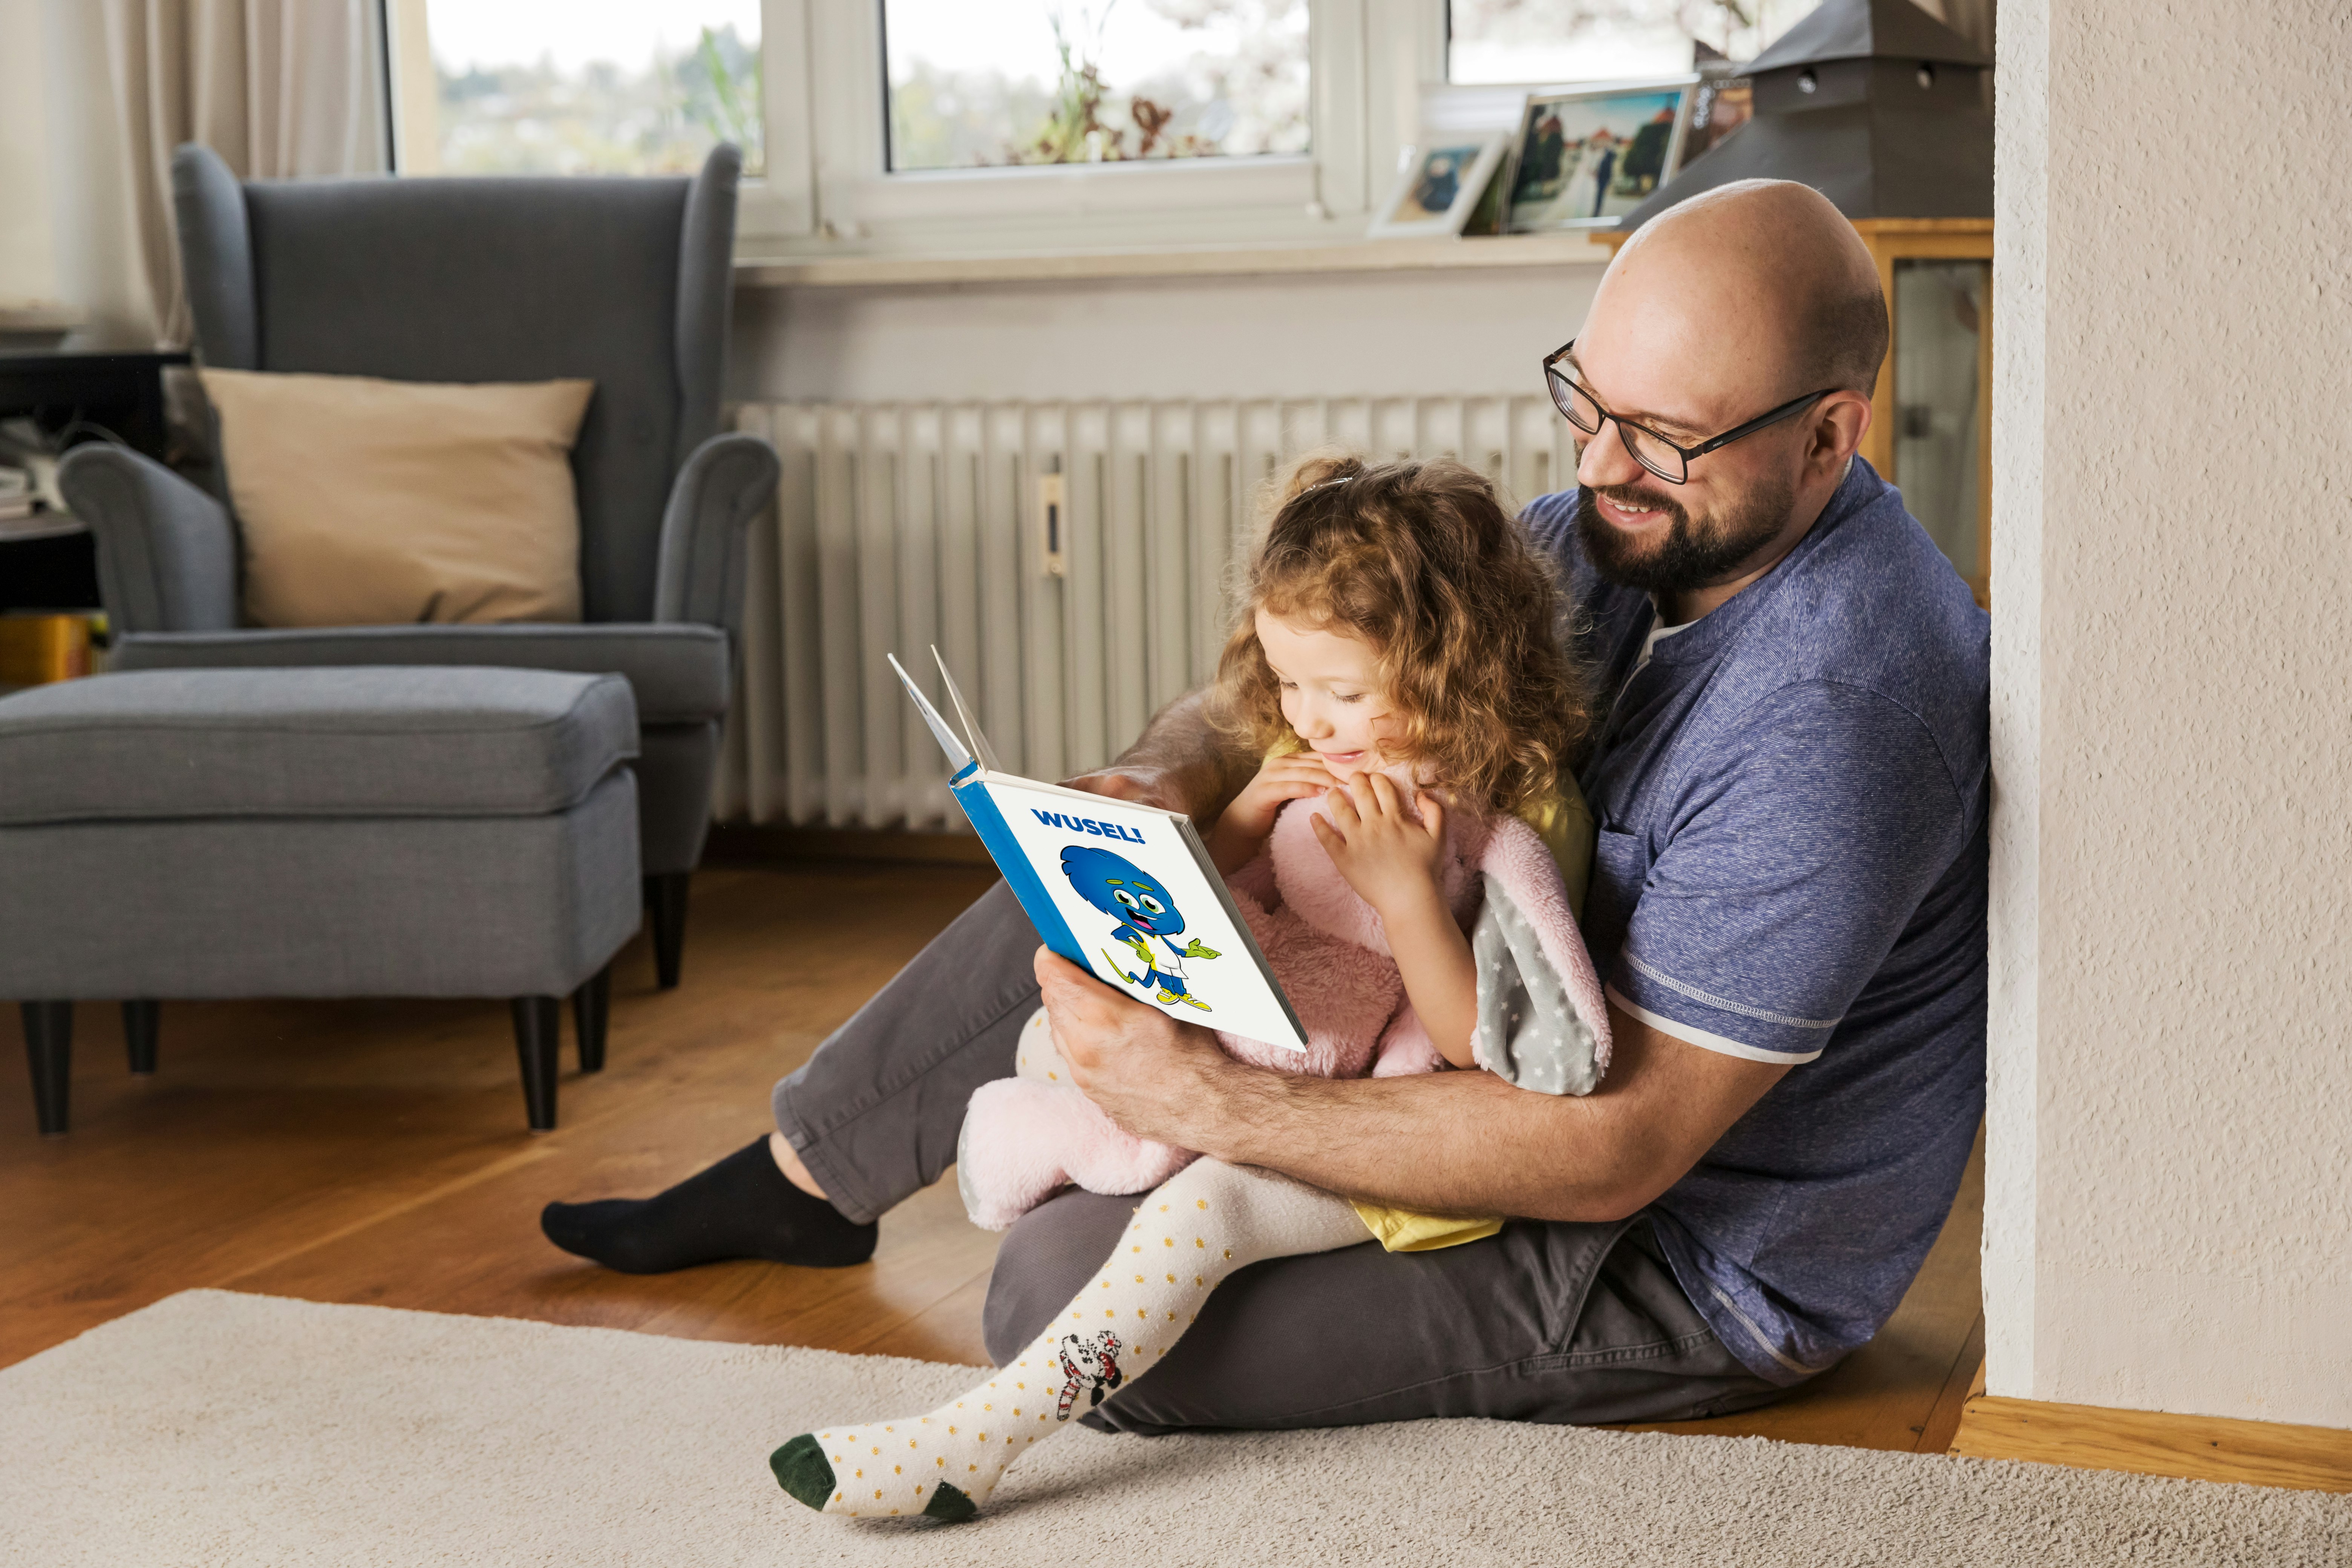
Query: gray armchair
623 280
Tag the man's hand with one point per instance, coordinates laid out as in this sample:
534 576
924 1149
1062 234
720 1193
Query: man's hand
1462 1143
1151 1074
1180 764
1143 786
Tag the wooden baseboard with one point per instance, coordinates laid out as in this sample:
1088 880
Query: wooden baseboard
740 843
2152 1443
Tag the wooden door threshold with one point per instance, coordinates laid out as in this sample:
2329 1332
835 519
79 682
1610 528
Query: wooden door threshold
2154 1443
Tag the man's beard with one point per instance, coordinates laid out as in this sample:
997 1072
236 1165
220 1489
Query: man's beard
1688 557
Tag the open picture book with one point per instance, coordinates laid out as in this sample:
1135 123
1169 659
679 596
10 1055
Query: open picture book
1125 890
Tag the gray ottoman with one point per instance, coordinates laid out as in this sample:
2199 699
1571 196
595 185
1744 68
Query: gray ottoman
339 832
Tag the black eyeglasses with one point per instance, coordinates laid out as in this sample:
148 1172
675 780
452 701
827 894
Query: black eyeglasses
1652 450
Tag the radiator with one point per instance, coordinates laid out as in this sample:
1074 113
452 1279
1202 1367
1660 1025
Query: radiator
898 526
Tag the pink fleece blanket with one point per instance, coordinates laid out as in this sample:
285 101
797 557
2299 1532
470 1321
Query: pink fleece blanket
1541 1021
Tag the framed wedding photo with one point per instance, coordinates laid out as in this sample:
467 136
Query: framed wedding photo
1439 184
1585 157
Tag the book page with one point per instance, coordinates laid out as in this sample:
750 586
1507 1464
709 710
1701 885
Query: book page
1146 916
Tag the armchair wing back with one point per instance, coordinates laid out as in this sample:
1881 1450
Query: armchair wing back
622 280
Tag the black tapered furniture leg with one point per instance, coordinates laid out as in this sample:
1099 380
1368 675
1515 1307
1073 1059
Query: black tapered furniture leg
49 1049
142 1022
591 1008
665 896
538 1034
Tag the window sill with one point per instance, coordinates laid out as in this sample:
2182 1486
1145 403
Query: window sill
1438 254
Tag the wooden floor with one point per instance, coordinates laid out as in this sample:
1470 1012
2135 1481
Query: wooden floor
375 1152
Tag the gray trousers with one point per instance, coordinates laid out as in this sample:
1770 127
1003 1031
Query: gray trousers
1546 1322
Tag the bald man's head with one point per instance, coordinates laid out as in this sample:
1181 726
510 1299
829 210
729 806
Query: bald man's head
1750 299
1784 257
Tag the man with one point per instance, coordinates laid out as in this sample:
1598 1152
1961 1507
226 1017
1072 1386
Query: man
1787 903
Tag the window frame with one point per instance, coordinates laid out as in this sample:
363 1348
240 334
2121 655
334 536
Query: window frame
860 198
826 188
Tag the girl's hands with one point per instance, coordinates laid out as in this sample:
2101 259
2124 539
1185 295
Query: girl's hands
1296 775
1393 862
1390 860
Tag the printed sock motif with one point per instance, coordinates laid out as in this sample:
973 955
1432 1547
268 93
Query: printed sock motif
1207 1221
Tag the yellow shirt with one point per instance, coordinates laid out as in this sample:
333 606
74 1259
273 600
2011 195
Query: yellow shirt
1564 823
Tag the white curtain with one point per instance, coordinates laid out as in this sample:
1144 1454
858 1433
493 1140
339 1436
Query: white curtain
277 88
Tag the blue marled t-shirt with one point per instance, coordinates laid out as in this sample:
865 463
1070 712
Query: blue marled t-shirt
1792 796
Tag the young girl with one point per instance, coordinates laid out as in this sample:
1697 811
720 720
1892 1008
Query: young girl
1409 857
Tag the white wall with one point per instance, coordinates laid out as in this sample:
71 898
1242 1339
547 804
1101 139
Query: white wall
1385 334
2169 1216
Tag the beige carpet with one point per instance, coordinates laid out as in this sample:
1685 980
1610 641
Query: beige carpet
222 1429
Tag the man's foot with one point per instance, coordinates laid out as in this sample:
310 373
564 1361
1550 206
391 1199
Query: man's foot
740 1207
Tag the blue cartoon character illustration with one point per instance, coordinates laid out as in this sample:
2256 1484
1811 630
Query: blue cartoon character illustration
1149 920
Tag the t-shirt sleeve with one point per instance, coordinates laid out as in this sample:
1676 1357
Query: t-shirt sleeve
1790 869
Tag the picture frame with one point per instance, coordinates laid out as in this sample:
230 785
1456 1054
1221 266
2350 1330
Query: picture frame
1454 170
1583 157
1486 217
1721 105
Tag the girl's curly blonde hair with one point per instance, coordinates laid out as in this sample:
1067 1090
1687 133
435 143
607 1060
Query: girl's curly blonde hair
1421 561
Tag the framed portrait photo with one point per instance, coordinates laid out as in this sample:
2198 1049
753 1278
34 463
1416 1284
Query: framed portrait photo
1440 184
1585 157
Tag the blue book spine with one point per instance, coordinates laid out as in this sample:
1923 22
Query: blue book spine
980 806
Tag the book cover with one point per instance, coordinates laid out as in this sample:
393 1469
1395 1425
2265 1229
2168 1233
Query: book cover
1125 890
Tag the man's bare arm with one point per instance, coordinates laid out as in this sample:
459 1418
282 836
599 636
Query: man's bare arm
1448 1143
1180 762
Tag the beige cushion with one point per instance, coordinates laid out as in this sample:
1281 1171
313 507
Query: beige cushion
367 502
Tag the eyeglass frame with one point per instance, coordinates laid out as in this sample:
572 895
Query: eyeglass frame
1554 380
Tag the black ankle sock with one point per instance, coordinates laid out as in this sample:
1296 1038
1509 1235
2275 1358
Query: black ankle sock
742 1207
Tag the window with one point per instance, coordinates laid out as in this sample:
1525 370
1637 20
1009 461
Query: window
938 126
973 83
945 125
565 87
1494 41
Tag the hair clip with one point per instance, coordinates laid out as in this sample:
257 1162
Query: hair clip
1325 484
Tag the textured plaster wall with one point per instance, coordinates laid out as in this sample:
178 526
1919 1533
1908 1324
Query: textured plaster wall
2020 330
2169 1218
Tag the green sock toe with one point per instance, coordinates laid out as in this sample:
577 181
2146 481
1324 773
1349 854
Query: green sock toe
801 1471
947 1505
